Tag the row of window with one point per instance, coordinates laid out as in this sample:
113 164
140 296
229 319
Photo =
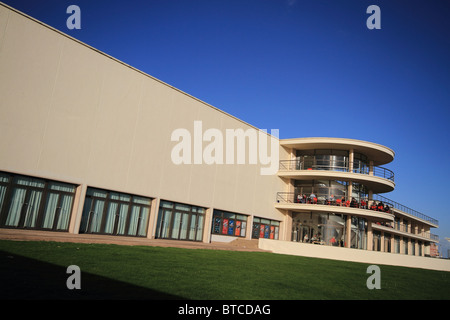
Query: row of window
27 202
232 224
35 203
409 245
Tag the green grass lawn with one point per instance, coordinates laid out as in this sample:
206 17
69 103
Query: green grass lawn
37 270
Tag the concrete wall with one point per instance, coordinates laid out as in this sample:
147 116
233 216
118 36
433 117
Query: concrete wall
71 113
354 255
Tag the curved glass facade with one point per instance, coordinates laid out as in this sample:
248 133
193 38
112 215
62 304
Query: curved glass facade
328 229
328 159
325 190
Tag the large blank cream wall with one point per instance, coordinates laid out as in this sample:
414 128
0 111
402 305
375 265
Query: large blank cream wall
71 113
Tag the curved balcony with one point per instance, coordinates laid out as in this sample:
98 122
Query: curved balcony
333 165
404 210
376 152
378 179
355 207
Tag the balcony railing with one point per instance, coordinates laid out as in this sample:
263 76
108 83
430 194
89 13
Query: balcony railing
407 229
351 202
334 165
378 203
405 209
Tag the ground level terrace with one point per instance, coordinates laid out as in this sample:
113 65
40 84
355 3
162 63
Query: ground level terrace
30 203
354 255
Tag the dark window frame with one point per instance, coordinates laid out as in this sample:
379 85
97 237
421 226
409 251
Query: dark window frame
256 228
193 211
11 185
219 217
107 201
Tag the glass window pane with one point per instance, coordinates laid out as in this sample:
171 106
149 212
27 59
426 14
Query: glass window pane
183 207
119 196
184 226
28 181
2 196
199 235
50 210
134 220
193 227
15 208
166 204
243 228
86 216
64 214
34 202
110 217
61 186
143 221
96 193
97 215
122 218
4 177
141 200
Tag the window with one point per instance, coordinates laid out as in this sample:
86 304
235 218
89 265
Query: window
33 203
360 163
229 223
376 241
323 189
322 159
265 228
324 229
109 212
397 244
387 242
180 221
359 234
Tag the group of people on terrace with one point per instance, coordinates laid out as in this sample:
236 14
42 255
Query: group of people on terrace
353 203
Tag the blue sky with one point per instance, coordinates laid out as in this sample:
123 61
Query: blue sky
309 68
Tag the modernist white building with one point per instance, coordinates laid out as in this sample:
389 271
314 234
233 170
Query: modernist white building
87 146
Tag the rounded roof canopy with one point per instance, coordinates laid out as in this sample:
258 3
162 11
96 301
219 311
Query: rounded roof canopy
379 154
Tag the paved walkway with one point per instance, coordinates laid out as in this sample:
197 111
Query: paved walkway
33 235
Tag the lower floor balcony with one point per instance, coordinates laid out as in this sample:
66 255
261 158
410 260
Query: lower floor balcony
353 206
353 223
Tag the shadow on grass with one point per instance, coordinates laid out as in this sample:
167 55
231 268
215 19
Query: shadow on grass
24 278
